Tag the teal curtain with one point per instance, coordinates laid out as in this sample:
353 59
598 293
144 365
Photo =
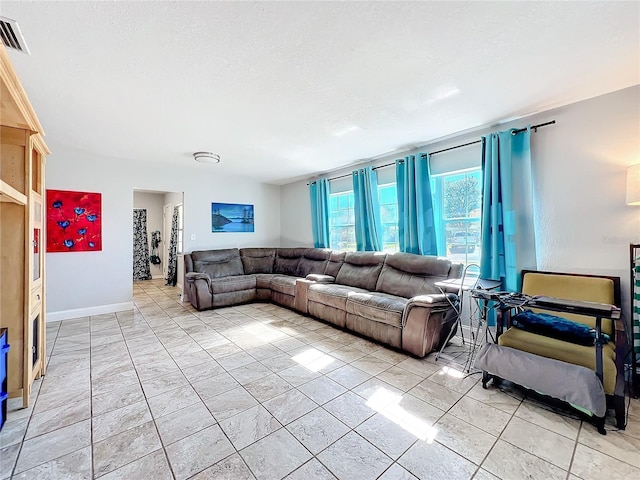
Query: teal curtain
319 193
367 209
508 234
417 227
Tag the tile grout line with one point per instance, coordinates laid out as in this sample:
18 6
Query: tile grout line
573 453
497 439
283 426
241 318
93 466
201 400
145 399
236 451
22 441
153 419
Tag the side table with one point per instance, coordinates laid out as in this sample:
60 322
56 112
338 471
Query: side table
459 286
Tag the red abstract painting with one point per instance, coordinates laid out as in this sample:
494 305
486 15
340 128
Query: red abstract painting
74 221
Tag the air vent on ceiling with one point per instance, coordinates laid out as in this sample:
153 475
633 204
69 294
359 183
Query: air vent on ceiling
12 36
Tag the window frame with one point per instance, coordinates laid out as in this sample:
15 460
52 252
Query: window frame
394 204
350 227
467 253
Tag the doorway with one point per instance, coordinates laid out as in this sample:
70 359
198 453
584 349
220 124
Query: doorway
167 214
159 206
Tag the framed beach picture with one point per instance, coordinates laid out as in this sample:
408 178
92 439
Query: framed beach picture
231 217
74 221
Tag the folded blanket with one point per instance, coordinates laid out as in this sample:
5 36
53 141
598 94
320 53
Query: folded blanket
556 327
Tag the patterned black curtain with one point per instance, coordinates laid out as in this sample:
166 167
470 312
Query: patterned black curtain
172 265
141 267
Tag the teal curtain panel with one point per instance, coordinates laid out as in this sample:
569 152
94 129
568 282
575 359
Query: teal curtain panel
508 234
417 231
367 209
319 193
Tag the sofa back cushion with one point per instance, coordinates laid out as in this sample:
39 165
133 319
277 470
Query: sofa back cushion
361 269
314 260
456 270
287 260
257 260
336 259
408 275
218 263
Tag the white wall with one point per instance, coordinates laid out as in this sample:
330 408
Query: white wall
83 283
152 203
295 217
580 163
173 198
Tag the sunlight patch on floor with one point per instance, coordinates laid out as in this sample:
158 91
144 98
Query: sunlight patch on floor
313 359
387 403
451 372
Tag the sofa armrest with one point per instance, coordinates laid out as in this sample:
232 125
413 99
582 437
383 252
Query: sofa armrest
188 263
191 277
434 300
302 295
426 322
198 288
319 278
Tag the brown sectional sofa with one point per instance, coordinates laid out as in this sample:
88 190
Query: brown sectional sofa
390 298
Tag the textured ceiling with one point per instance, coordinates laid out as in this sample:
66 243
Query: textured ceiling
285 90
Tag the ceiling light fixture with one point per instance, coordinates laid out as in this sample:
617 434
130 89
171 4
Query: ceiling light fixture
206 157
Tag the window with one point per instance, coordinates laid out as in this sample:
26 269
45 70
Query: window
457 198
342 221
389 217
180 228
458 195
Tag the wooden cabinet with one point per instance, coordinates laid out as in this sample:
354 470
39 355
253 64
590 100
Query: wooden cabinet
22 233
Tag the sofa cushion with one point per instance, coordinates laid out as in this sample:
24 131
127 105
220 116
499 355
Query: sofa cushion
218 263
408 275
331 294
379 307
316 277
361 269
287 260
263 280
284 284
336 259
233 283
314 260
257 260
214 255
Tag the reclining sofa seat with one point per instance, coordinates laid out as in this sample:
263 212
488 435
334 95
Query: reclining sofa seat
259 262
216 278
295 264
390 298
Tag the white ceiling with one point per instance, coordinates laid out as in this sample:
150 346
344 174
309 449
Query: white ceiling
285 90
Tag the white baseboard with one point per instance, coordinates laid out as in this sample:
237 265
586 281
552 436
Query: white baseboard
85 312
156 277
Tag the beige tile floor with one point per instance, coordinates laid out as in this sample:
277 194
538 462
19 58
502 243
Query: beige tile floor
260 392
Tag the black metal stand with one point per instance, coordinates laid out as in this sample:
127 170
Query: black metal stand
634 255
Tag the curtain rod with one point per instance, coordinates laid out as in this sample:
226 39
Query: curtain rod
515 132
